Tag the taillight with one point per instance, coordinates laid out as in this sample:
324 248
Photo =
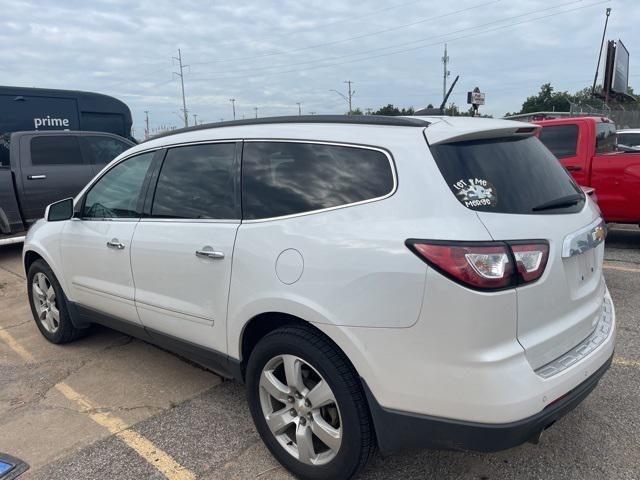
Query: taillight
484 265
531 259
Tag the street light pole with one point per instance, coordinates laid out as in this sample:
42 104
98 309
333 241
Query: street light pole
256 110
299 109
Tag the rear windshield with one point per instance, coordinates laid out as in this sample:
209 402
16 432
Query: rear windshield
507 175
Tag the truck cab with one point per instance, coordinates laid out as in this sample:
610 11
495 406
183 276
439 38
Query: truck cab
40 167
587 148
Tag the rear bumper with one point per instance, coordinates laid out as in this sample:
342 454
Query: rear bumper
398 430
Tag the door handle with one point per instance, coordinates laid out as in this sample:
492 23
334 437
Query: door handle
573 168
36 177
115 243
208 252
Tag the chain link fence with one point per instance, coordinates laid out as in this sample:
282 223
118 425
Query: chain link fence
622 118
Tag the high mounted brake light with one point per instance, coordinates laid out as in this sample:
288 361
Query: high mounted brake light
484 265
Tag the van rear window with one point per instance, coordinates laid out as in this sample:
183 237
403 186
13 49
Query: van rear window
507 175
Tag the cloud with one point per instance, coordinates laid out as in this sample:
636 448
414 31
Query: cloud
272 54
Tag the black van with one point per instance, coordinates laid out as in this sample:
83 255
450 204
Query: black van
28 109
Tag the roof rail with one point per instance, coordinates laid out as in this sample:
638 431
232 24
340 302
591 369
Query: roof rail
351 119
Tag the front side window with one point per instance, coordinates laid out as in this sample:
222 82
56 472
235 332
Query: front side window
285 178
562 140
101 150
606 140
197 182
507 175
52 150
118 193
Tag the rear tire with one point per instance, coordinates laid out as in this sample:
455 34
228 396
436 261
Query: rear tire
316 433
49 305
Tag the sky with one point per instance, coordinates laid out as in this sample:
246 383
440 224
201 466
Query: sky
270 55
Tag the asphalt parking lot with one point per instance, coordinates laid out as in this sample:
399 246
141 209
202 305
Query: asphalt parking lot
109 406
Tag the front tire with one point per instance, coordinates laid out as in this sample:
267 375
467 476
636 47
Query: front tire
308 405
49 305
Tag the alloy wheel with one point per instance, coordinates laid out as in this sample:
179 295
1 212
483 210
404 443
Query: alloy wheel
300 409
44 301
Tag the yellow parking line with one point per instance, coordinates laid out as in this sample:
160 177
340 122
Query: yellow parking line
610 266
16 347
143 447
626 362
118 427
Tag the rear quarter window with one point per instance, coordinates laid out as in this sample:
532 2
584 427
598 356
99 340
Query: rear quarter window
562 140
505 175
287 178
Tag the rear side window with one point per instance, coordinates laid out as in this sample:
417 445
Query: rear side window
118 193
197 182
562 140
286 178
606 140
101 150
52 150
505 175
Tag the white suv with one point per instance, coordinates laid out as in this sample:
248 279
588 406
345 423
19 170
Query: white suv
376 282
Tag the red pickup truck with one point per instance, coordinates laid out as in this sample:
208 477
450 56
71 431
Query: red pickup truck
587 147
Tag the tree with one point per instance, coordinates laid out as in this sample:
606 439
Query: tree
391 110
355 111
547 101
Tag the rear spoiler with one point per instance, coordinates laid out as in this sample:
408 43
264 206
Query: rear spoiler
442 133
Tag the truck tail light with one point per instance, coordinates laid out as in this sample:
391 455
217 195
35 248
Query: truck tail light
484 265
531 259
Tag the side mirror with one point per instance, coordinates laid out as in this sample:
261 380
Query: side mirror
59 211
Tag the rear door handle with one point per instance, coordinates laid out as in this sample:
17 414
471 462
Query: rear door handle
115 243
208 252
36 177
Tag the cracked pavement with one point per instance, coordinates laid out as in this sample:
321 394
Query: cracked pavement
204 423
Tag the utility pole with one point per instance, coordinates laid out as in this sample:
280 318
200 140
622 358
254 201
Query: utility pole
181 75
256 110
195 119
299 109
445 62
233 105
604 32
146 123
350 94
349 82
312 113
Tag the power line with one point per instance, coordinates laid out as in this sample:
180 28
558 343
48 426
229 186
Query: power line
528 20
357 37
403 44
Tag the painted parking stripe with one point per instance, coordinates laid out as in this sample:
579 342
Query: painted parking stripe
610 266
16 347
626 362
116 426
143 447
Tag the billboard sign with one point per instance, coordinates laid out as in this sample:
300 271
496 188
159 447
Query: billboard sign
620 79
